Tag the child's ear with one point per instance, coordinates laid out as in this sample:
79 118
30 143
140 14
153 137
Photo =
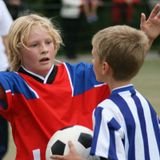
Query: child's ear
105 68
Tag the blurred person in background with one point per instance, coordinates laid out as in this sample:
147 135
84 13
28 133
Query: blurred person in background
123 11
90 9
15 7
73 14
5 23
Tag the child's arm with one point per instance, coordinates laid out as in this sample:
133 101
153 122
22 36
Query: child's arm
151 26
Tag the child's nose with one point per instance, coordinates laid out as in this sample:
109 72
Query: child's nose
44 48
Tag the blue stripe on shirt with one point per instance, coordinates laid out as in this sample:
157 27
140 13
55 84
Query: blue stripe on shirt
113 126
155 125
130 123
142 123
98 118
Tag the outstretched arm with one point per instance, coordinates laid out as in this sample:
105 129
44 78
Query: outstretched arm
151 26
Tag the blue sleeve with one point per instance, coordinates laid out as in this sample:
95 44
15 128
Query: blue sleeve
107 136
12 82
82 77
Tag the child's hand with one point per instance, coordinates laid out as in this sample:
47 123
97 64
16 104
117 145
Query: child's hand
72 155
151 25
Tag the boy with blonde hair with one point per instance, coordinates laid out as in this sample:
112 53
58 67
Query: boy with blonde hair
125 121
126 126
39 97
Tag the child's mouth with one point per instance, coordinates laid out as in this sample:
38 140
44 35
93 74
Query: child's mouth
44 59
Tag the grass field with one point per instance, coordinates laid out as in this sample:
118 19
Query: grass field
147 82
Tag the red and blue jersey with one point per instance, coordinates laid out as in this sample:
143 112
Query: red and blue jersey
37 107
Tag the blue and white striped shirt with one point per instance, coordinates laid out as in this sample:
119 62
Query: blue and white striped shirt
126 127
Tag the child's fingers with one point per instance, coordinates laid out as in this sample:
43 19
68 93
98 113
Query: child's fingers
143 20
155 11
71 147
72 151
57 157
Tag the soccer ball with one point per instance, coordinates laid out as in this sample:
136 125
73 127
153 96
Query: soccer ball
80 136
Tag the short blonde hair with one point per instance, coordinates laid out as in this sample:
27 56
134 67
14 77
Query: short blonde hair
19 34
123 48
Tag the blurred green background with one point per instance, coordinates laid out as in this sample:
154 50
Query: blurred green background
148 81
51 8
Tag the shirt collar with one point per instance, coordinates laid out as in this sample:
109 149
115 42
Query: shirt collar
49 78
123 88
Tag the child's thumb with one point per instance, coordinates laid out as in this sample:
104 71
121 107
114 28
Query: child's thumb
71 146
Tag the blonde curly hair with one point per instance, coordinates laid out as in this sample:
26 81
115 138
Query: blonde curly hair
19 34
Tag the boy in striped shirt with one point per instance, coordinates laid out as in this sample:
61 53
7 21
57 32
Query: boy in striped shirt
126 126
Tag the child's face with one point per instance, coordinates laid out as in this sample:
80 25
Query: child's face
39 55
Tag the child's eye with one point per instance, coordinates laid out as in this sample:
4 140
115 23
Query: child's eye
48 42
33 45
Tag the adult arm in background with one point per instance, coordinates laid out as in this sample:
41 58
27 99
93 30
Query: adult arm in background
151 26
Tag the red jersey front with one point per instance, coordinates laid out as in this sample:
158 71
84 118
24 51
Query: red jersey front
37 107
